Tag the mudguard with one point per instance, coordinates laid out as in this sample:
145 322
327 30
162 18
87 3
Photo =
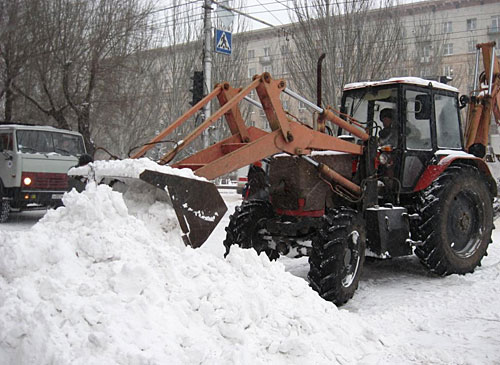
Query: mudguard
433 171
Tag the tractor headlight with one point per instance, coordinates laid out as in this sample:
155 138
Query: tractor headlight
383 158
27 181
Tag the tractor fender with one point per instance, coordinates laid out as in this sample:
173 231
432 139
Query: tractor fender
433 171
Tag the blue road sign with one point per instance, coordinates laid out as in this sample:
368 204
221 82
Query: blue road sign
223 41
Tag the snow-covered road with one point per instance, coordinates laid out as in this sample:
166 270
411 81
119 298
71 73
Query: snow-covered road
100 282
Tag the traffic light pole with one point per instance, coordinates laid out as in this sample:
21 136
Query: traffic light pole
207 62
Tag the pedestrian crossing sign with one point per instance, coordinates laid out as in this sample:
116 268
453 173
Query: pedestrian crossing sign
223 41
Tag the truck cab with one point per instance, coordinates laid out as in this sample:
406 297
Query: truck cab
34 161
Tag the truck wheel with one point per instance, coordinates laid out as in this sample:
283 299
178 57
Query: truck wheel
4 210
457 220
247 227
338 255
4 206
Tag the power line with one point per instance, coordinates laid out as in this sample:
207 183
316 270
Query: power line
175 6
279 21
243 13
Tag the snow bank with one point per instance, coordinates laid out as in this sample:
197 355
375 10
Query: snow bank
100 282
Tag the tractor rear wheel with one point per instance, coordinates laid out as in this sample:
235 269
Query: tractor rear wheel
337 256
247 227
457 220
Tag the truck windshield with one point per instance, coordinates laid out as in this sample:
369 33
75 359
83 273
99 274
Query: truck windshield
36 141
366 104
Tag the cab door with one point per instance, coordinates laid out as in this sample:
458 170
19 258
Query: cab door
7 159
418 135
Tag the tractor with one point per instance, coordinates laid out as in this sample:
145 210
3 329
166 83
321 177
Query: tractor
339 189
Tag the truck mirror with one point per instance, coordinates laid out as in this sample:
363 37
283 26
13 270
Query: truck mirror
464 100
423 106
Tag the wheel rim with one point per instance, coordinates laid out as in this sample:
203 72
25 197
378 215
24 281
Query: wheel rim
351 259
463 224
258 242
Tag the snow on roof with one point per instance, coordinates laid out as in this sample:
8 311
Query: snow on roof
37 128
401 80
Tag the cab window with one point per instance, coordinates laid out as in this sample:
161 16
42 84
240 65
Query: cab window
6 141
35 141
447 122
418 122
369 104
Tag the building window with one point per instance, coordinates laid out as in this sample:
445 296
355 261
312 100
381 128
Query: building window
495 24
251 71
471 24
447 27
302 106
426 54
424 73
471 45
251 54
448 71
448 49
267 51
268 68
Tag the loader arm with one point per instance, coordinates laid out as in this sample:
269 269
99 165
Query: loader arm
244 146
485 101
249 144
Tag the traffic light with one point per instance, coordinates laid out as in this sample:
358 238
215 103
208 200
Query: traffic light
197 89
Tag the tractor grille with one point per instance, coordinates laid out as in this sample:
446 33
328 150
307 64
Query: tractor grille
44 181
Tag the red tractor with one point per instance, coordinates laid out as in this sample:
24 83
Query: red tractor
390 174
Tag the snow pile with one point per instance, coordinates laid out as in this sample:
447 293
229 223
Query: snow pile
105 281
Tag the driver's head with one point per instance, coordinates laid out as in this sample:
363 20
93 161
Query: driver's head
386 116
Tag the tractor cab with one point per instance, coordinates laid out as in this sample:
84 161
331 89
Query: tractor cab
411 118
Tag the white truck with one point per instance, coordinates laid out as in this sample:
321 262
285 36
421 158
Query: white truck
34 161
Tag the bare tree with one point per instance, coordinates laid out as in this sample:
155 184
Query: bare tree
154 90
362 41
429 42
78 43
15 49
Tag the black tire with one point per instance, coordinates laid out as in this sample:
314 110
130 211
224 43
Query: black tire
338 255
4 211
457 220
4 206
247 227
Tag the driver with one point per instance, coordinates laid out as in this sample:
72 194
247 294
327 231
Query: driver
389 134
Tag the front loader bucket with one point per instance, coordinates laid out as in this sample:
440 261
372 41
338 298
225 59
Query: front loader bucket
197 204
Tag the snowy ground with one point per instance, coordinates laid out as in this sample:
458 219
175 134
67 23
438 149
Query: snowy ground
419 318
108 281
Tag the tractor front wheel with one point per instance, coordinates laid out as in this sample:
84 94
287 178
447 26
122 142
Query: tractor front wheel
457 220
247 227
338 255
